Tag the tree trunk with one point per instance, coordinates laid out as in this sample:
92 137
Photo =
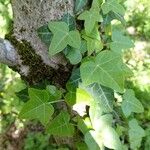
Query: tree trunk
24 51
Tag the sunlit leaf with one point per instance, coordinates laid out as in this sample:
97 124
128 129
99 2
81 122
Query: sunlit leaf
62 37
107 69
90 18
111 139
113 5
38 107
94 43
120 42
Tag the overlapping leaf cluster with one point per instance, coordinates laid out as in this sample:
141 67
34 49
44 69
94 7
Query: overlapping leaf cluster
95 49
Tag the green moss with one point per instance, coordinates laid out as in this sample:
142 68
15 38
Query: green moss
38 70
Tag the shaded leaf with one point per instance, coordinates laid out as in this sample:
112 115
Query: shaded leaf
54 93
80 4
45 34
131 103
70 21
60 125
136 133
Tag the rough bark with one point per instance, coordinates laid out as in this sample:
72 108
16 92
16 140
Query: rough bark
28 16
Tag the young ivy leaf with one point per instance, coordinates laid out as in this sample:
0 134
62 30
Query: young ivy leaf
93 39
75 55
113 5
131 103
60 125
120 42
136 133
107 69
90 18
62 37
38 107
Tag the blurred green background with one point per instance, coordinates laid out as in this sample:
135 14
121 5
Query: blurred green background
13 134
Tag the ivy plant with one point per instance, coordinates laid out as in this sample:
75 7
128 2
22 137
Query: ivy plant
94 115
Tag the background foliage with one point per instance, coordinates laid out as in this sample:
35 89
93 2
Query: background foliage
30 135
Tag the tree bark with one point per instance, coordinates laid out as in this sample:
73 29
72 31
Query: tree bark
23 50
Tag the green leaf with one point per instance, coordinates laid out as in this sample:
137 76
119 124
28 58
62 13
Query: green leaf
81 146
103 96
120 42
131 103
54 93
74 56
90 18
90 139
84 125
112 15
98 120
38 107
136 133
94 42
80 4
70 21
45 34
112 5
111 139
107 69
60 125
83 97
71 86
62 37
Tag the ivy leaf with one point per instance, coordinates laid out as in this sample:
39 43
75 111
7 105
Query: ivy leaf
90 18
120 42
71 86
136 133
103 96
38 107
62 37
90 139
54 93
112 5
45 34
93 41
70 21
80 4
111 139
131 103
103 72
84 125
60 125
112 15
99 121
74 56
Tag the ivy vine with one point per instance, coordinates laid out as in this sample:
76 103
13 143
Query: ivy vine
95 90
